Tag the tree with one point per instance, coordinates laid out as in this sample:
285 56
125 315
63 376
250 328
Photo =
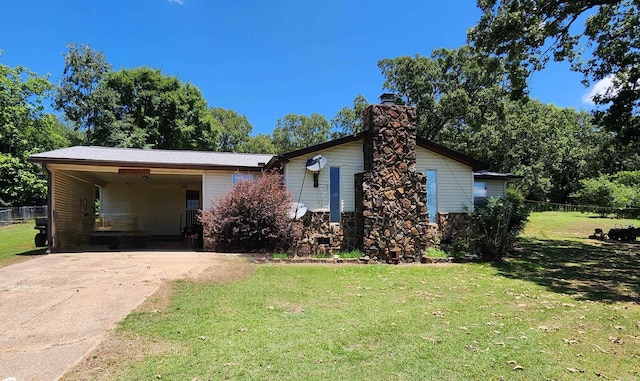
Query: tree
465 107
620 191
552 147
526 34
142 108
24 130
348 121
76 94
234 129
298 131
453 90
260 143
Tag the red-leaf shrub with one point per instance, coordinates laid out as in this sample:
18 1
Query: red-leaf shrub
253 216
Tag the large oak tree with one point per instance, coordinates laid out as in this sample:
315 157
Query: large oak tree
600 38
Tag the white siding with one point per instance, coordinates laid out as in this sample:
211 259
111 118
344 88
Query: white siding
216 184
73 210
154 209
495 188
454 182
347 156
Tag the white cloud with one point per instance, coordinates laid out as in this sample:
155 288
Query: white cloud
600 88
179 2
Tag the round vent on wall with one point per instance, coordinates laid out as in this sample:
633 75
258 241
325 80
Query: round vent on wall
316 163
297 210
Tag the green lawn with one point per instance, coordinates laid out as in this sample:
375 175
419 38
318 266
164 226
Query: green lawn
563 308
16 243
572 226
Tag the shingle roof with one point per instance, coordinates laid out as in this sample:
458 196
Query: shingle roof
150 157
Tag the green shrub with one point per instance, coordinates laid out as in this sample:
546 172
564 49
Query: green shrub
619 192
434 252
499 223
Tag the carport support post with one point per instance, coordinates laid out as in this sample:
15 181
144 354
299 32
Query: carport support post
49 209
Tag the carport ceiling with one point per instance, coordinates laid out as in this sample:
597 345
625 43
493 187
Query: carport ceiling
103 178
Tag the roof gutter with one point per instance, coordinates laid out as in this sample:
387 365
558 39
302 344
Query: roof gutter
134 164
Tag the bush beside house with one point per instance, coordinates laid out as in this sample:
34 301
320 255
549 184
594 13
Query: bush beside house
252 217
499 223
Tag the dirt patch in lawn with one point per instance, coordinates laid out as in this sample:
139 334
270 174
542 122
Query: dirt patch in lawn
107 361
120 348
236 269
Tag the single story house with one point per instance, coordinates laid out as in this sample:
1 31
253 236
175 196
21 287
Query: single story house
384 190
141 192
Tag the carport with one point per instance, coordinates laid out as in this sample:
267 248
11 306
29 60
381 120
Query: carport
132 197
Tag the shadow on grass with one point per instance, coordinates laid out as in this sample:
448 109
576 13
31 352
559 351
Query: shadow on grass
598 271
40 251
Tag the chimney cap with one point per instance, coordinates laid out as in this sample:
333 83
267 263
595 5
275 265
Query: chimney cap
388 98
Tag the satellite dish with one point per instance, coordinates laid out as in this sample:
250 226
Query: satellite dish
296 211
316 163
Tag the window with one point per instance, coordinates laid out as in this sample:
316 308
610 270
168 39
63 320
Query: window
334 194
193 199
479 193
237 177
432 195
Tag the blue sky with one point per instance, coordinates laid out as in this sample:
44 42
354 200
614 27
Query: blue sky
263 59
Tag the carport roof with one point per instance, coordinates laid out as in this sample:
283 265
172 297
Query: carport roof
133 157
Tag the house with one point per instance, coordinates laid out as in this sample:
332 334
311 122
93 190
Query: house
141 192
384 190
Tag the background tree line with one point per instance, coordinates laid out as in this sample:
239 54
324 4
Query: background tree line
473 99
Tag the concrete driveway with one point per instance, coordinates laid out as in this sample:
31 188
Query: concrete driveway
54 309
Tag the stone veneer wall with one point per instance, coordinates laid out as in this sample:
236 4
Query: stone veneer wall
456 231
323 237
394 212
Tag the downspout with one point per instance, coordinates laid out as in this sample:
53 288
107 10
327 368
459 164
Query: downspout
49 209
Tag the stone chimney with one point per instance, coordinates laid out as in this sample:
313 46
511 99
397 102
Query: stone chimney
391 199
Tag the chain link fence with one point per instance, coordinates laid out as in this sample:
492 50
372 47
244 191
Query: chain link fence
17 214
539 206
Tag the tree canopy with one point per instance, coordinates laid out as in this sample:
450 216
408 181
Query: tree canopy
526 34
461 102
234 129
348 121
298 131
76 93
453 90
143 108
24 130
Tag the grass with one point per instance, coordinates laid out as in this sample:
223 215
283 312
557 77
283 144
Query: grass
570 226
341 254
434 252
563 308
350 254
16 243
